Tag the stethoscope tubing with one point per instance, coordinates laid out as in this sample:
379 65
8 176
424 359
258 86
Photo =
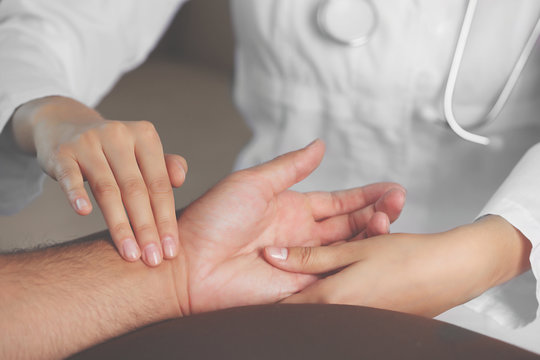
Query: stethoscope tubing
506 91
455 66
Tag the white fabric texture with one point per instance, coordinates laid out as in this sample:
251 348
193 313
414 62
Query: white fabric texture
378 108
77 49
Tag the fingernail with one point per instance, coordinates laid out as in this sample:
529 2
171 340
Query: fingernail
152 255
130 249
179 164
278 253
169 247
81 204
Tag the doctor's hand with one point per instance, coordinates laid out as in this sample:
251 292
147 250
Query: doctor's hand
223 233
124 164
419 274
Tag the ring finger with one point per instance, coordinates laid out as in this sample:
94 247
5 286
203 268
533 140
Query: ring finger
105 189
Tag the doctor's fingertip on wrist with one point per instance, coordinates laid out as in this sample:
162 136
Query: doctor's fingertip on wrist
130 250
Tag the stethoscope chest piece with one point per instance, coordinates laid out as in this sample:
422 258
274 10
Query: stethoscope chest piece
348 22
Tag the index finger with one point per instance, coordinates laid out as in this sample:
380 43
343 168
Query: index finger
328 204
151 160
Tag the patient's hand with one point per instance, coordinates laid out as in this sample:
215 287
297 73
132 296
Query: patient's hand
222 234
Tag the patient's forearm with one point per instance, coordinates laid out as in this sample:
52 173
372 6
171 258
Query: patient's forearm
58 301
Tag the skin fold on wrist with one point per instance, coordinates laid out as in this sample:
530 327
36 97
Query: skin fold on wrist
179 280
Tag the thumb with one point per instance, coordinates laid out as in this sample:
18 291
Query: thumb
313 260
289 169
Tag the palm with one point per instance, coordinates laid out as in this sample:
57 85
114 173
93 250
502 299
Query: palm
229 259
223 233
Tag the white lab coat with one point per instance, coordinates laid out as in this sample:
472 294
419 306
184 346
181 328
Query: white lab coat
377 107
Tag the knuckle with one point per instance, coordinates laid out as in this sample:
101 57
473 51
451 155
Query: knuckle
64 175
133 187
145 125
160 186
337 203
63 150
105 188
120 229
305 256
147 130
144 228
116 131
59 154
353 226
89 138
164 222
114 127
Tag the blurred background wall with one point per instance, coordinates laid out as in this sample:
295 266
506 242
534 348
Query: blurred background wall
184 88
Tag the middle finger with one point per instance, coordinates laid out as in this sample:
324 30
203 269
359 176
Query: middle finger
151 160
121 158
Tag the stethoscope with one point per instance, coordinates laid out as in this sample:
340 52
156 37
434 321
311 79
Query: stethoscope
332 21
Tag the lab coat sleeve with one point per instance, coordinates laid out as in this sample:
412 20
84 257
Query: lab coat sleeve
517 200
77 49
